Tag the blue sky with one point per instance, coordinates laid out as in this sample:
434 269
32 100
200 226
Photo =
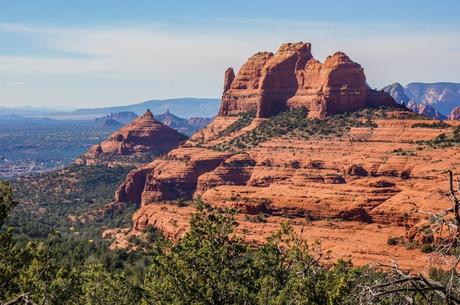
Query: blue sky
72 54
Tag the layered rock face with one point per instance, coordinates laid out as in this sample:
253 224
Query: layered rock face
435 100
341 191
398 92
243 92
143 135
426 110
272 83
442 96
455 114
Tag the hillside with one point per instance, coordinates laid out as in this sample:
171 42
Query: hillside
349 180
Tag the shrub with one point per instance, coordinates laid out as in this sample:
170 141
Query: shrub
427 248
392 241
440 125
294 123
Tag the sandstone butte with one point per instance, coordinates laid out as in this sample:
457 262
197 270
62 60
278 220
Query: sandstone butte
144 135
351 192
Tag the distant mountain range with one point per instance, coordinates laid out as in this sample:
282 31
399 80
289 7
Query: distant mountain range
182 107
434 100
23 111
185 126
120 117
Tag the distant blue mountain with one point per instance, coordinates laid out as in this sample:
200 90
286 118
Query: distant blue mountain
23 111
436 100
182 107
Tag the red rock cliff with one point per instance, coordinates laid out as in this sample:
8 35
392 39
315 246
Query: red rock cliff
272 83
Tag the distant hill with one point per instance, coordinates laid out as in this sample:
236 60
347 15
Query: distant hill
437 99
185 126
121 117
183 107
23 111
112 124
442 96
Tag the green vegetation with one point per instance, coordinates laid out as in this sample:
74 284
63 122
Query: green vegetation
294 123
392 241
443 140
436 125
74 197
142 158
244 120
209 265
403 152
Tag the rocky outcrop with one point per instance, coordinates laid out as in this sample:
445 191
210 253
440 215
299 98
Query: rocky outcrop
144 135
442 96
133 186
228 78
235 170
124 117
243 93
438 100
272 83
455 114
175 176
426 110
184 126
397 92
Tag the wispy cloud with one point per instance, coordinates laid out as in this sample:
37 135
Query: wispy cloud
14 84
154 61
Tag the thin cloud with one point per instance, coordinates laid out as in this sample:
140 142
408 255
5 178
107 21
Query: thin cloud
154 61
14 84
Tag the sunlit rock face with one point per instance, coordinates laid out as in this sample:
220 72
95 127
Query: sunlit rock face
271 83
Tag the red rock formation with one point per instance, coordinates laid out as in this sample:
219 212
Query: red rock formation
143 135
278 81
243 94
343 183
133 186
291 77
228 78
175 177
455 114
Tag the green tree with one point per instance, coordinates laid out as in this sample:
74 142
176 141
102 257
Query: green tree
9 252
210 265
101 287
